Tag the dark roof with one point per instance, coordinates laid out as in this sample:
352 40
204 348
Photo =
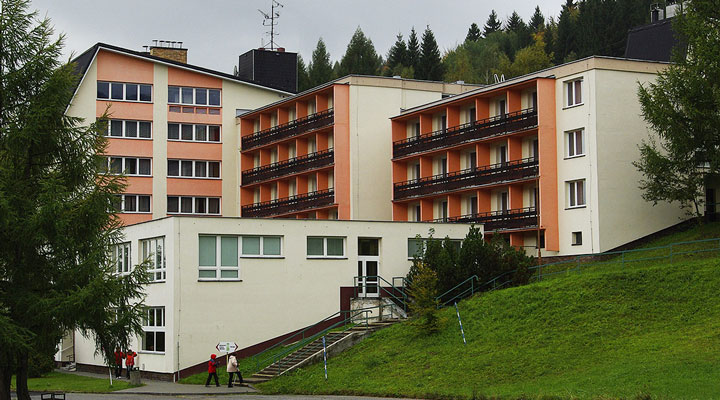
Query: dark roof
654 42
84 60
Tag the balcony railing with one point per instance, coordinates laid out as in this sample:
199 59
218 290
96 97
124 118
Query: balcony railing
286 205
480 129
513 219
310 161
289 129
526 168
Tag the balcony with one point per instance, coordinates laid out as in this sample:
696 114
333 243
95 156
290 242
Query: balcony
480 129
287 205
307 162
288 130
493 221
526 168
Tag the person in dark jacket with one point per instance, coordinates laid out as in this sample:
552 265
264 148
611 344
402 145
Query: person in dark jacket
119 355
212 371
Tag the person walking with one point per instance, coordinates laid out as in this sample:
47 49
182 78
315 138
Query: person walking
119 355
212 371
130 361
232 368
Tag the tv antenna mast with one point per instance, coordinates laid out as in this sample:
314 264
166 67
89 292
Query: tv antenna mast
270 20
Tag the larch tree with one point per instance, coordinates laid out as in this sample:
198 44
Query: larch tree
56 217
683 109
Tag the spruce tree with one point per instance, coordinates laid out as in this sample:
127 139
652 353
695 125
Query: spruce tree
413 50
565 44
320 70
473 34
397 57
56 221
682 108
537 21
430 65
303 78
515 23
360 56
492 24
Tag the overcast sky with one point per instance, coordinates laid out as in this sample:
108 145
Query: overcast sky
216 32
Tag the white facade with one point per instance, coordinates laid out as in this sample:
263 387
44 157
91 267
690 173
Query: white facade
272 294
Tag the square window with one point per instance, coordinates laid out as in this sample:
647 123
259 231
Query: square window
208 251
201 133
103 90
144 203
200 169
251 245
214 133
172 204
174 131
214 97
576 193
131 166
131 92
145 93
145 129
116 91
271 245
187 132
415 247
214 169
186 205
576 238
200 205
116 165
315 246
575 143
335 247
186 168
173 168
187 95
201 96
144 167
130 203
173 94
131 129
213 205
116 128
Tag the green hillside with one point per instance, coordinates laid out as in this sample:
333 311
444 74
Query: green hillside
650 332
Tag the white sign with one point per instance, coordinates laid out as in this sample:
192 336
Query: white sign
226 347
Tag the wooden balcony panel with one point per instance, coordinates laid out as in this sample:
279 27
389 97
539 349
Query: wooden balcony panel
298 203
480 129
288 130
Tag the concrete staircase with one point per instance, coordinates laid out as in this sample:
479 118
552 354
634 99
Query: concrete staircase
336 342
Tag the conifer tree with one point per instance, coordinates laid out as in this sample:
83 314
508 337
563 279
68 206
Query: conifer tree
360 56
397 56
413 53
303 78
320 70
430 65
515 23
473 34
492 24
56 220
565 44
537 21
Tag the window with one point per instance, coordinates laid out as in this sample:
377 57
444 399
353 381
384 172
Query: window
218 258
416 213
193 205
132 203
576 238
325 247
194 169
153 251
261 246
471 116
575 143
124 91
129 129
574 92
130 166
416 246
416 129
576 193
472 205
154 330
120 256
193 96
502 108
194 133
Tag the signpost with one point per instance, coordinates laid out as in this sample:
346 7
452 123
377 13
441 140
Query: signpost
325 356
460 321
227 348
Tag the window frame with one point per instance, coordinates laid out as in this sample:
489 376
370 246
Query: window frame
124 168
194 170
218 267
572 189
137 203
145 254
125 92
194 96
124 122
241 247
325 247
194 133
423 242
154 329
194 204
573 135
576 239
125 258
570 85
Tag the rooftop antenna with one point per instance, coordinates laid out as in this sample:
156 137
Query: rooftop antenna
269 20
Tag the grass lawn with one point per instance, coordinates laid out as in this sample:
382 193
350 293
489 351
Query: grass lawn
62 382
652 332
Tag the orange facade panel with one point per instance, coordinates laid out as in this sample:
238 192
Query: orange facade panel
129 219
129 147
138 185
341 131
182 77
194 151
116 67
194 187
194 117
124 110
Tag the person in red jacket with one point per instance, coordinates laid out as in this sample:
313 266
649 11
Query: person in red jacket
130 361
212 371
119 355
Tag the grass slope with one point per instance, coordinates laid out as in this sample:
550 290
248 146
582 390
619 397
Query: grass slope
653 330
62 382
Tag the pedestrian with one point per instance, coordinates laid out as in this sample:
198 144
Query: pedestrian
119 355
232 368
212 371
130 361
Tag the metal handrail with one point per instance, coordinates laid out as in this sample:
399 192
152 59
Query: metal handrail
403 301
250 174
471 279
531 161
247 140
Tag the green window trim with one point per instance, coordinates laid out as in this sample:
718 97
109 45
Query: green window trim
325 247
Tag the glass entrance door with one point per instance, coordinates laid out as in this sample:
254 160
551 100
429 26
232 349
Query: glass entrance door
368 267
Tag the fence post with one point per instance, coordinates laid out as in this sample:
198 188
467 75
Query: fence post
671 253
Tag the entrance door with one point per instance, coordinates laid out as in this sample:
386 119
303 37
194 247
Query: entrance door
368 267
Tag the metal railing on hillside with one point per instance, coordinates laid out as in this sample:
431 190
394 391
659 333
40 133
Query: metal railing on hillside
374 284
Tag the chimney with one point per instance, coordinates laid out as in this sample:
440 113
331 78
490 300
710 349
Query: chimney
169 50
656 13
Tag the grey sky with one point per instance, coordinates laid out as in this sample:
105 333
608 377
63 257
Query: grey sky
217 31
